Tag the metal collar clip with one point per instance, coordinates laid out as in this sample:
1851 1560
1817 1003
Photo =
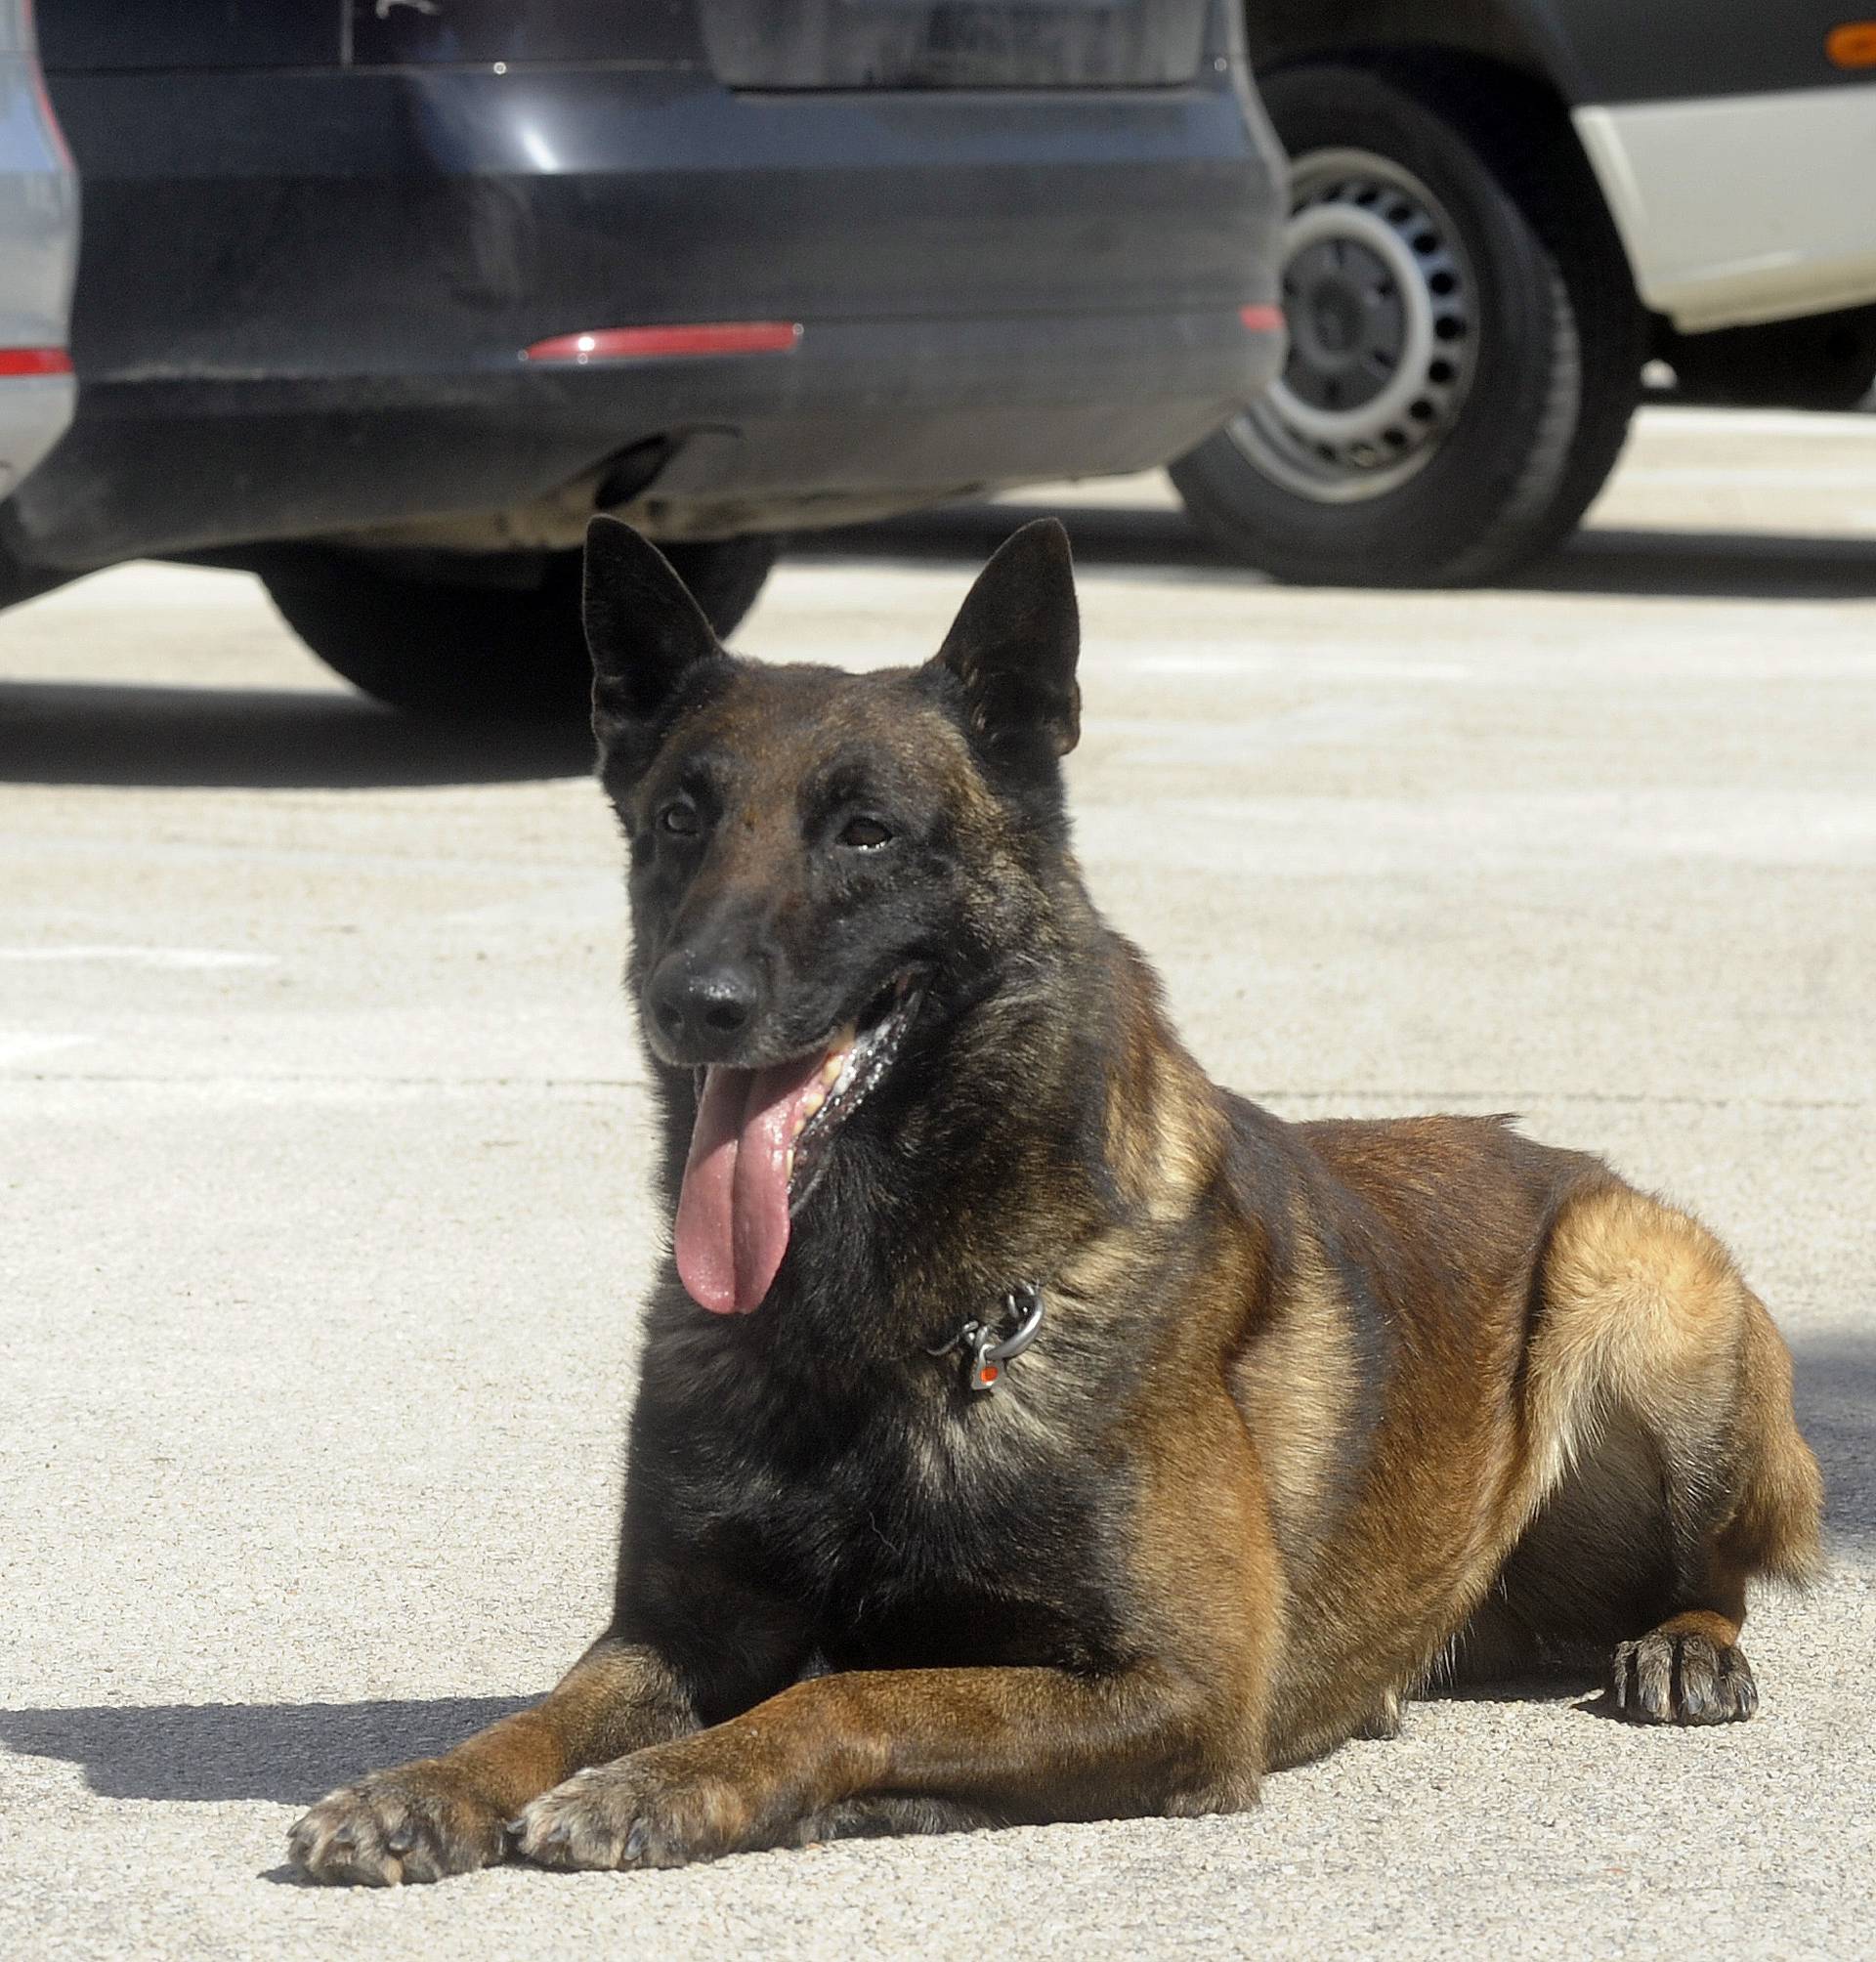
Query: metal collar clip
984 1354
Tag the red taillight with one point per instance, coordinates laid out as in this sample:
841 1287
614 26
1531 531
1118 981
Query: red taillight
34 360
1262 319
720 337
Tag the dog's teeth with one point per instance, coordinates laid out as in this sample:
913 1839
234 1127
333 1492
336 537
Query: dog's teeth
787 1163
831 1068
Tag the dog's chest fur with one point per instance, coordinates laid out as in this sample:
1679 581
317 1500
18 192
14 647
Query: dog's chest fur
907 1521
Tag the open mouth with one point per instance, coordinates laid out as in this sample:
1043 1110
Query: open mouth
761 1142
855 1062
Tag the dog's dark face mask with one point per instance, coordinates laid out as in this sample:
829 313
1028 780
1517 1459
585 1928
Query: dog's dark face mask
821 865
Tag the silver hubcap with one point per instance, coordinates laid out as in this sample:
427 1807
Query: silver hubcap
1380 305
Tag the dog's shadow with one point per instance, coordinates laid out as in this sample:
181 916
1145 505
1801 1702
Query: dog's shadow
1580 1683
292 1753
288 1752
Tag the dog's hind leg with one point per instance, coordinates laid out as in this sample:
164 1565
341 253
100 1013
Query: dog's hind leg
1665 1469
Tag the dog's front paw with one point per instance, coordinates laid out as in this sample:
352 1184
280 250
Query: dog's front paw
652 1809
418 1822
1679 1677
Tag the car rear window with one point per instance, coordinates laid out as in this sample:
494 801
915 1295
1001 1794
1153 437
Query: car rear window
858 44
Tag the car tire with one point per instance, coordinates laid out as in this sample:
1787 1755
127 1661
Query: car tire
438 648
1466 341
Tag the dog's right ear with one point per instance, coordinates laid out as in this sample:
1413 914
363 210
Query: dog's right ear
645 634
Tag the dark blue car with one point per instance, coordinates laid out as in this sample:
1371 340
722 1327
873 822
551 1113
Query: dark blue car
383 299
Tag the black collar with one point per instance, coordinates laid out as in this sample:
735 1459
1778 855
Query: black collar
985 1352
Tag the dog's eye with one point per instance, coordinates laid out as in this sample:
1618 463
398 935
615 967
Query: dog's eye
681 818
865 835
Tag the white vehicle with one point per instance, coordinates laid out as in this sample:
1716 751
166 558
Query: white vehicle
38 252
1500 211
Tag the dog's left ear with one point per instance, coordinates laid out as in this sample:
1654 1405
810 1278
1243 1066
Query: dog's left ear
645 634
1014 645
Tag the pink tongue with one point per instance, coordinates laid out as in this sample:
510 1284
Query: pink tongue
733 1212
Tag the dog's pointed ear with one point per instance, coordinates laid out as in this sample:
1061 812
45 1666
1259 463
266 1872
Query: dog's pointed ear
644 631
1014 644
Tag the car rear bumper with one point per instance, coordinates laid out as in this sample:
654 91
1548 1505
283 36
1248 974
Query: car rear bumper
861 420
304 298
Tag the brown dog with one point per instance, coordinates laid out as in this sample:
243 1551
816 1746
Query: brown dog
1028 1428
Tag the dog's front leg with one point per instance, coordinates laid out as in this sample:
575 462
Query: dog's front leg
443 1816
1028 1744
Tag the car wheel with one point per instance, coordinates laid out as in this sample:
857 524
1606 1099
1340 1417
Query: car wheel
1466 345
484 649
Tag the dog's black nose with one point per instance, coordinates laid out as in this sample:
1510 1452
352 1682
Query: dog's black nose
703 1005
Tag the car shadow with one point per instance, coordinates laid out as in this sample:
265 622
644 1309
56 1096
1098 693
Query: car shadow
1141 538
1705 566
1648 564
130 735
263 739
288 1752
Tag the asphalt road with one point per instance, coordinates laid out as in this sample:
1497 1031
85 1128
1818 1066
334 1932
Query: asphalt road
322 1217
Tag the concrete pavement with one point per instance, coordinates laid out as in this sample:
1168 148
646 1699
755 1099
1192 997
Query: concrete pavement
320 1134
